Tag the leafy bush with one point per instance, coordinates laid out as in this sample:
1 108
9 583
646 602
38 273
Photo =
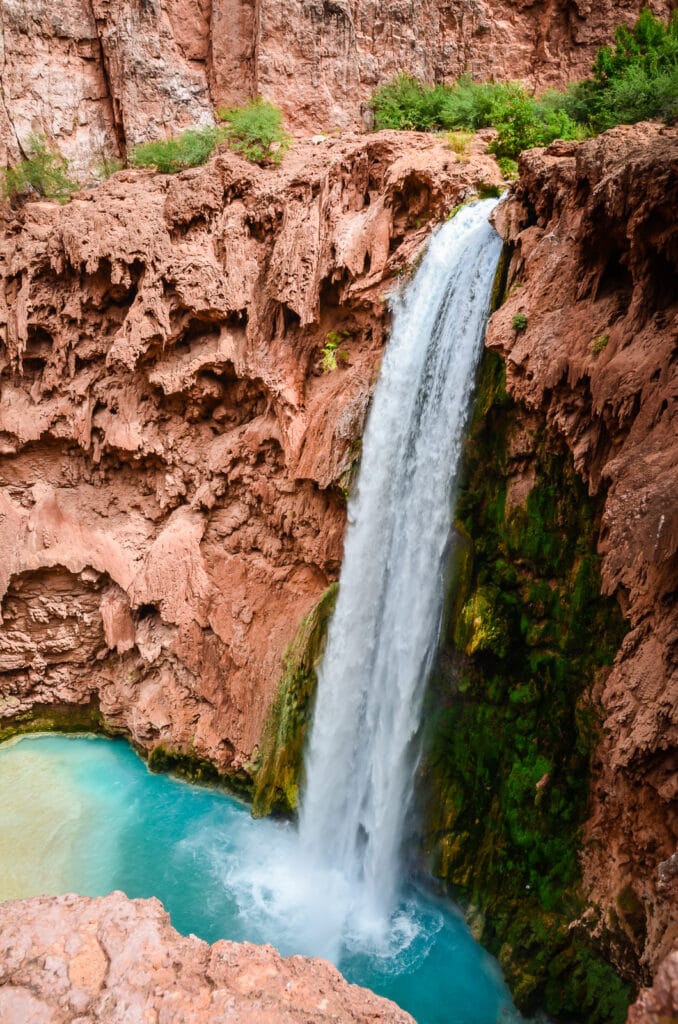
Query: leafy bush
637 79
256 130
190 149
599 343
519 322
44 172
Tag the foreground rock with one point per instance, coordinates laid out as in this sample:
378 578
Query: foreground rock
174 459
594 271
115 960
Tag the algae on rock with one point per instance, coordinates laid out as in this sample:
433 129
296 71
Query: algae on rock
276 785
513 718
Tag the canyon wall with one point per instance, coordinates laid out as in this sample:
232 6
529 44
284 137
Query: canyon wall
530 697
594 270
174 459
99 76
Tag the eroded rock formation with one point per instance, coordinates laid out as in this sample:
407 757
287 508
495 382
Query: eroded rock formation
594 271
173 455
659 1004
98 76
115 960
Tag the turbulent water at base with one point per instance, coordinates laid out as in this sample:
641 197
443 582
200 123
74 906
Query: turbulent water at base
385 629
86 815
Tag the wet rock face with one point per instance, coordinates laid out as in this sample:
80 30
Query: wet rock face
594 270
173 457
71 958
102 75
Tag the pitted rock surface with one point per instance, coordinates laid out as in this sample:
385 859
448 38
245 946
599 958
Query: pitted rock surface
173 456
70 959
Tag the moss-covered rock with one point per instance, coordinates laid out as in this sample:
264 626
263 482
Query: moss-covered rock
67 718
190 766
276 787
511 720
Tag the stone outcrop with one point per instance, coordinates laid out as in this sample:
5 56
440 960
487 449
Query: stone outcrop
659 1004
98 76
174 460
115 960
595 258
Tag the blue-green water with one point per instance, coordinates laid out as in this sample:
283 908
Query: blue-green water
84 814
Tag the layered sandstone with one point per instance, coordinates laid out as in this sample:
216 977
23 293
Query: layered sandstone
594 270
99 76
174 460
115 960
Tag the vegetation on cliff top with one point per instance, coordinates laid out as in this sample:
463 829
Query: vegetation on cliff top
44 173
635 80
254 130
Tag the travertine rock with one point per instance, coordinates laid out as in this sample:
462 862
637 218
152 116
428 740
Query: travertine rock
98 76
659 1004
71 959
172 453
594 270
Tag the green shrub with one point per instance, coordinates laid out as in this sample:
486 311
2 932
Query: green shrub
599 343
332 354
190 149
44 172
256 131
519 322
508 167
637 79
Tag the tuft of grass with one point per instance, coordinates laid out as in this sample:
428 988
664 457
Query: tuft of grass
460 143
519 322
44 173
107 166
190 149
599 343
256 131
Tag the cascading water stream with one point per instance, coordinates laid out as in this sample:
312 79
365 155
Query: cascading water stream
384 632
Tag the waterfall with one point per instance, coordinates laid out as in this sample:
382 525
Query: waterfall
384 633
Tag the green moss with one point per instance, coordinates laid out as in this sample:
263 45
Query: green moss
67 718
500 279
87 718
198 770
276 787
511 720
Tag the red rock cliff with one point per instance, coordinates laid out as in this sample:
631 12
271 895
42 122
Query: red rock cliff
594 270
100 75
171 450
